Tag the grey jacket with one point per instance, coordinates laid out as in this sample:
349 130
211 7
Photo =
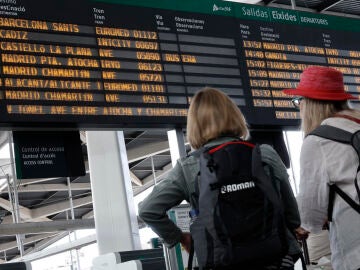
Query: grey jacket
179 184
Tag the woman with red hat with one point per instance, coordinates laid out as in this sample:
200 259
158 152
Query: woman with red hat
322 100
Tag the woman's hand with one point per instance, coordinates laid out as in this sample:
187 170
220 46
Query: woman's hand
301 233
186 241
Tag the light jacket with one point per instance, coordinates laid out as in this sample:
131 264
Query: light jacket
179 184
323 162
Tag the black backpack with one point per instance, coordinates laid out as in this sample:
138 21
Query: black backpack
341 136
240 215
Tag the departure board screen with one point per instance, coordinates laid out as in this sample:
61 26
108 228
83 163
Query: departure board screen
119 63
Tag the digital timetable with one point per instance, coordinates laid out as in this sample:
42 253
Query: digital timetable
119 63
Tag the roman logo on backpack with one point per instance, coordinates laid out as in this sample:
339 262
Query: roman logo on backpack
341 136
240 216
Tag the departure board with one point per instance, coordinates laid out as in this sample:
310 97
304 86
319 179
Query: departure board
119 63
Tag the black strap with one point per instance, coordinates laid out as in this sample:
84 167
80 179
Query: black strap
303 263
331 202
332 133
304 256
306 252
356 182
263 181
335 189
191 255
259 174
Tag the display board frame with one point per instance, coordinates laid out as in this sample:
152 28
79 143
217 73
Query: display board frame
109 64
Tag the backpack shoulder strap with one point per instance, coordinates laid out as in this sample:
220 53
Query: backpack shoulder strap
332 133
335 189
263 181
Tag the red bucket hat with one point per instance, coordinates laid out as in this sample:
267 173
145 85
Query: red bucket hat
322 83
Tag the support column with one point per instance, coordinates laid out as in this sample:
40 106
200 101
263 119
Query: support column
176 145
177 150
72 218
114 212
13 191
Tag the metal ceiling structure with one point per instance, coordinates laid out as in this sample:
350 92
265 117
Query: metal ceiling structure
44 206
346 8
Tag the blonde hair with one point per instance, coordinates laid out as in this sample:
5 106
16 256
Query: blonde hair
212 114
315 111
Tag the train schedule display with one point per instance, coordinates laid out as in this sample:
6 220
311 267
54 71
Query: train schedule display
117 63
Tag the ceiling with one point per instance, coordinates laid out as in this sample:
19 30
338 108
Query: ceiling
43 200
336 7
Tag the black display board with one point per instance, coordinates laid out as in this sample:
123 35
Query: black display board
48 154
117 63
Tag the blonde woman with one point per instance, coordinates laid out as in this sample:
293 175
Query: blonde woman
322 100
213 119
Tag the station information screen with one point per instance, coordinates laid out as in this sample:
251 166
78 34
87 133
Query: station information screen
120 63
